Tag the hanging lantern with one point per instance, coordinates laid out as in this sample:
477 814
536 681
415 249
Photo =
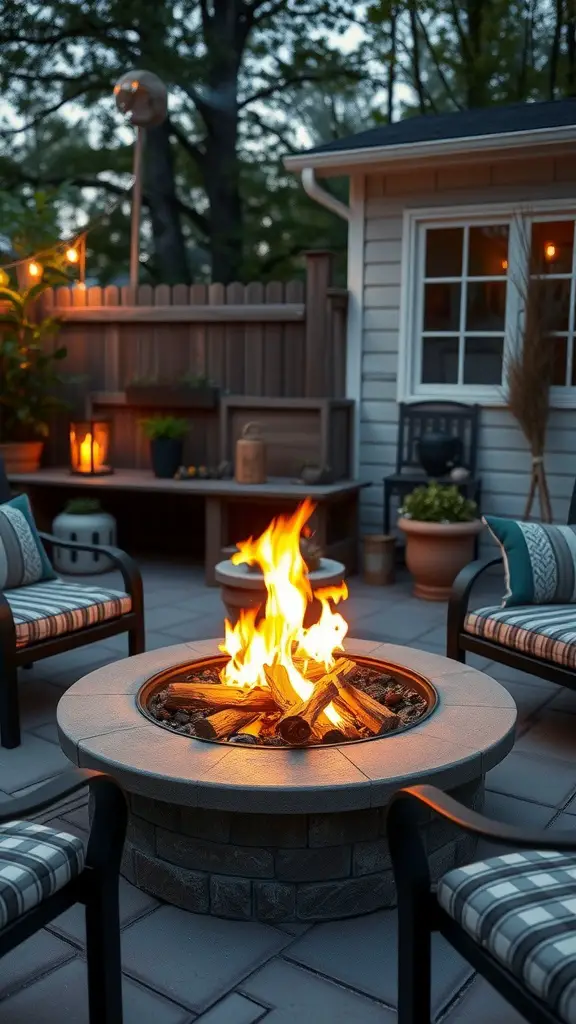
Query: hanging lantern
142 97
90 447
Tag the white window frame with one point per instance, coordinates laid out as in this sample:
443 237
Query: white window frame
518 216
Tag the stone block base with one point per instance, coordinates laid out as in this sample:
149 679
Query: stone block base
278 868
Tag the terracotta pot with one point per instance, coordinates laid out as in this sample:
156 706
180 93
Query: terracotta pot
435 554
21 456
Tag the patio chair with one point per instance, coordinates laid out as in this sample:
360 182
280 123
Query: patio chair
527 646
417 419
44 871
55 615
511 917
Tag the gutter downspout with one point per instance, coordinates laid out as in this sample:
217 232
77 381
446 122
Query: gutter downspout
321 196
354 215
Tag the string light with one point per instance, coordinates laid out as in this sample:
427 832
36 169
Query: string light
72 255
35 269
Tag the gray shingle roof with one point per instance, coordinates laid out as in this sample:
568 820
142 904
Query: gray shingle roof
515 117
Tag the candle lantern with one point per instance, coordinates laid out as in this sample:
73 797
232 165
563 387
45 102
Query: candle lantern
90 447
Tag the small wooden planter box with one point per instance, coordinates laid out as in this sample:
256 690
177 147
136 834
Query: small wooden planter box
171 396
296 431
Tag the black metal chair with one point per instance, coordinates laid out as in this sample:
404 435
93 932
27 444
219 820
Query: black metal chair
459 642
23 642
43 872
417 419
477 921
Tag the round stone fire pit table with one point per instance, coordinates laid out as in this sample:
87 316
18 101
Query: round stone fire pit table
243 588
274 833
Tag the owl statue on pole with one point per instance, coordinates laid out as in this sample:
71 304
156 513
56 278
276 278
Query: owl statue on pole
143 99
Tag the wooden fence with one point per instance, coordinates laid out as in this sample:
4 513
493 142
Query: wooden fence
279 339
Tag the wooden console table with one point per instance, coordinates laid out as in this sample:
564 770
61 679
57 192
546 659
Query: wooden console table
335 519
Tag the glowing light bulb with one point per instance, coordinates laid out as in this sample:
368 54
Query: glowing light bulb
504 264
549 250
72 255
35 269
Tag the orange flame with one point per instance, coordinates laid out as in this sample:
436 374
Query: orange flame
280 636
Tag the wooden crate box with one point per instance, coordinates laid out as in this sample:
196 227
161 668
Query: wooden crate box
296 431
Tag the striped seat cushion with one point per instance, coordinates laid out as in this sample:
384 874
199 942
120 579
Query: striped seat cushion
52 608
35 862
521 908
542 631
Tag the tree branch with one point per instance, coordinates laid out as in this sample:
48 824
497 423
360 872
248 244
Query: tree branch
269 90
430 46
198 219
191 148
49 110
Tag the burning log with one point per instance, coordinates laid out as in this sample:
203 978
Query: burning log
281 688
296 724
223 723
375 716
253 728
194 696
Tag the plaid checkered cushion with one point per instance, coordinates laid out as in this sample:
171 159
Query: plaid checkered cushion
543 631
54 607
521 908
35 862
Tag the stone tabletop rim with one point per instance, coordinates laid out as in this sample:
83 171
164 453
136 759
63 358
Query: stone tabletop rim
100 726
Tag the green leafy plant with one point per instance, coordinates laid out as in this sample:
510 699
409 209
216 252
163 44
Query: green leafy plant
157 427
437 503
82 506
29 379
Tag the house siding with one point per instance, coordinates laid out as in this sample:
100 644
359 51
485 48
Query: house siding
503 459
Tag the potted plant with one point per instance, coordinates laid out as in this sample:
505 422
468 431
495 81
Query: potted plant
192 391
29 379
440 525
83 519
166 435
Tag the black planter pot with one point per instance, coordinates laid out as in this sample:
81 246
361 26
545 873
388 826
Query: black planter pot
166 456
439 453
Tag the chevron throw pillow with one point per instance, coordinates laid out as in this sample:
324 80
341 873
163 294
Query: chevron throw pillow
23 559
539 561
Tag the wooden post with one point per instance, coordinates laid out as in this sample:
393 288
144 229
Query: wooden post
318 278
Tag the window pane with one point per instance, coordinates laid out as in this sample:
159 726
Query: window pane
559 371
553 297
488 250
552 243
483 360
485 305
444 252
442 307
439 360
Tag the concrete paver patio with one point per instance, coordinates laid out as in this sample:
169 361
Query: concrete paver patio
180 967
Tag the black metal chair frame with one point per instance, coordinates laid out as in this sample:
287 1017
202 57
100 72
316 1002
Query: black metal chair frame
96 887
420 914
12 657
400 483
458 642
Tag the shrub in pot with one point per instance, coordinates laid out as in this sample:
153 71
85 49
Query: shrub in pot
440 526
29 376
166 434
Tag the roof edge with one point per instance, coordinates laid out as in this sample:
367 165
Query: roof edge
434 147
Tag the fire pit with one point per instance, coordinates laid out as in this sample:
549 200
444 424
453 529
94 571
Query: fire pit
370 697
281 815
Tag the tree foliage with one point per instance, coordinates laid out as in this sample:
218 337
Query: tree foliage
249 82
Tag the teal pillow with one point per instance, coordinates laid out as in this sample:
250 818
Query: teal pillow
539 561
23 559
